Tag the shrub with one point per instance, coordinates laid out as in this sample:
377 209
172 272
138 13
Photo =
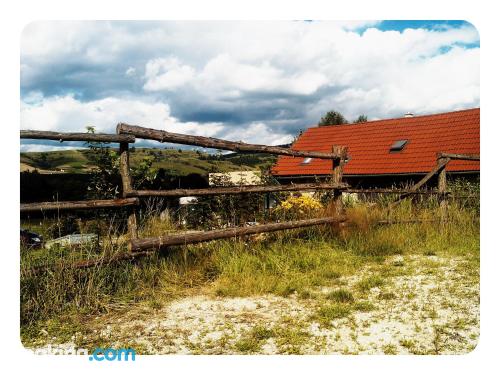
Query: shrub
370 282
298 207
328 313
341 295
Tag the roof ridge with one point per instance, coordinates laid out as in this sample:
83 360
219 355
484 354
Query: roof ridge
396 118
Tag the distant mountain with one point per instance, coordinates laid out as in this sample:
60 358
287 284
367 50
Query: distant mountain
177 162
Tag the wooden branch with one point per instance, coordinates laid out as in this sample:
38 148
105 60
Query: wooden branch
393 191
458 156
79 205
193 140
234 190
85 137
440 165
190 238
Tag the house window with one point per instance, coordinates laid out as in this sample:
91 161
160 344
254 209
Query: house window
398 145
306 161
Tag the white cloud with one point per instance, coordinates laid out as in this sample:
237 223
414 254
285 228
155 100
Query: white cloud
241 80
45 148
441 83
227 77
130 72
69 114
258 133
166 74
406 70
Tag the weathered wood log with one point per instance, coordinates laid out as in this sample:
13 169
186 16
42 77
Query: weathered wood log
338 165
234 190
441 164
127 187
125 168
442 189
193 140
79 205
337 172
458 156
84 137
393 191
190 238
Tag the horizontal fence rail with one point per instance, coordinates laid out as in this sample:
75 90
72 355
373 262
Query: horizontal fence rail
79 205
191 238
208 142
393 191
245 189
84 137
458 156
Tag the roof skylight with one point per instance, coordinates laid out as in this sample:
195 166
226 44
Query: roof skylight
398 145
306 161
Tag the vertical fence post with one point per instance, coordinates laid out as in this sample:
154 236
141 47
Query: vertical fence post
127 187
442 187
337 172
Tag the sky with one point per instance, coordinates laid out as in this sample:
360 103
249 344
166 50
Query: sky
257 82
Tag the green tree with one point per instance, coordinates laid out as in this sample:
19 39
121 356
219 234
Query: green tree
361 118
332 118
43 161
105 177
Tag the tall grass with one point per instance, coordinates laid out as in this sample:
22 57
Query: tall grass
280 263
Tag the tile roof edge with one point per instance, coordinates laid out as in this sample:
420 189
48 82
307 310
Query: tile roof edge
315 126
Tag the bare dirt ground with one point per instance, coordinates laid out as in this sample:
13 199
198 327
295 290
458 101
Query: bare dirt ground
430 305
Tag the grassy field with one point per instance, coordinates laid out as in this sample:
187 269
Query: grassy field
180 163
363 288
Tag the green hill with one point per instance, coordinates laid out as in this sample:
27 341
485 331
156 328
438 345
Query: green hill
177 162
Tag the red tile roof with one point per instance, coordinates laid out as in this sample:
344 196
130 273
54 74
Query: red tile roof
369 143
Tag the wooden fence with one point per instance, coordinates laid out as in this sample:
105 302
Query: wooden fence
442 160
337 156
127 134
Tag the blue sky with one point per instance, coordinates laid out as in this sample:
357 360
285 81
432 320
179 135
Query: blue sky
252 81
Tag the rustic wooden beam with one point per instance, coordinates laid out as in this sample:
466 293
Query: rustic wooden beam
393 191
84 137
337 172
338 165
125 168
193 140
79 205
441 164
442 188
245 189
458 156
190 238
127 187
